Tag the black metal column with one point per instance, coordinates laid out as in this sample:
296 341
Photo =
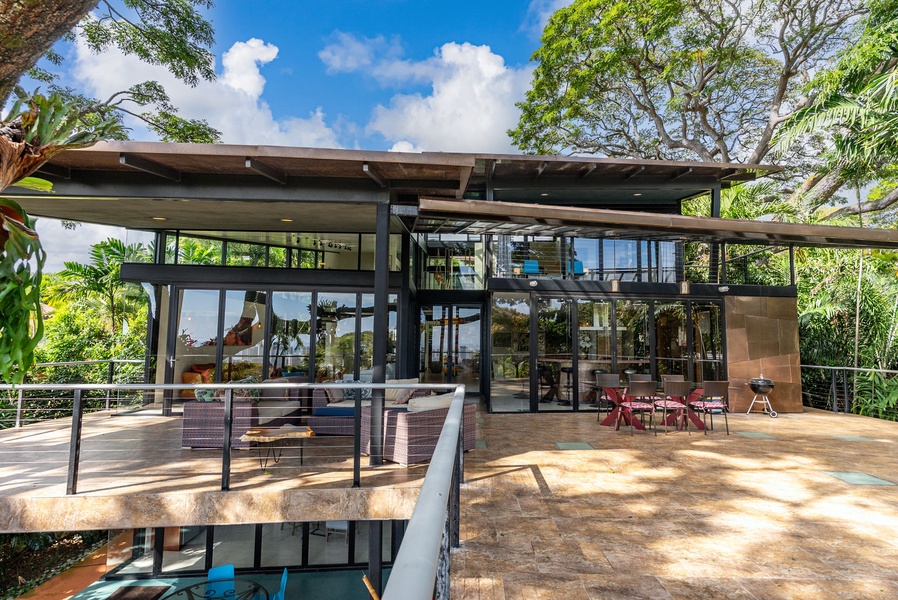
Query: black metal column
75 444
405 316
375 555
714 262
381 325
791 264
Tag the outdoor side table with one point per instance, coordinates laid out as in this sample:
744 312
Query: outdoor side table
269 438
243 589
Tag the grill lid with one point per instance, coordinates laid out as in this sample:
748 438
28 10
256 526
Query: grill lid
760 385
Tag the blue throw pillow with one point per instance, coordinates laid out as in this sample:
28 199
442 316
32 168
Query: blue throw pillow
357 393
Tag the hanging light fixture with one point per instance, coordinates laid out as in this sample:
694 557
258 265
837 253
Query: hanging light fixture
684 287
615 285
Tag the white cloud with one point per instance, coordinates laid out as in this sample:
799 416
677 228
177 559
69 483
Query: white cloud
241 66
349 53
470 107
404 146
233 103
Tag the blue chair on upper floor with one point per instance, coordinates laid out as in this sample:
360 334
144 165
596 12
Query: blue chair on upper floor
279 595
578 271
531 267
220 581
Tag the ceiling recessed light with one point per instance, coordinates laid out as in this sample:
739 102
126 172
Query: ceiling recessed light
160 218
286 220
637 194
544 194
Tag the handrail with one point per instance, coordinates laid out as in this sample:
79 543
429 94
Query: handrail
870 369
414 570
221 386
89 362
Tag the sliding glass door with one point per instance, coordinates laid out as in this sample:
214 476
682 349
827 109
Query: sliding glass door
450 345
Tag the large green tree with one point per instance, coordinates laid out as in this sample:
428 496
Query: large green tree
856 102
676 79
172 33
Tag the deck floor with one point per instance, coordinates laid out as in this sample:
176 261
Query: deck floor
754 515
140 452
555 506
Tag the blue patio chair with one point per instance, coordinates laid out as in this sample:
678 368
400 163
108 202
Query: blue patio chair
279 595
531 267
220 581
578 270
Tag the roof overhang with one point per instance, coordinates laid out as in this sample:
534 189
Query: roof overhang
478 217
221 187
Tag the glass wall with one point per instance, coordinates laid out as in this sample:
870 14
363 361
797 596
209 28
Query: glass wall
291 328
452 262
595 342
554 352
634 353
670 339
335 336
450 345
332 251
225 335
622 336
510 353
593 259
195 353
707 344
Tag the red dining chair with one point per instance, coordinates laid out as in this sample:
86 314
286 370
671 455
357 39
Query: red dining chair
607 391
713 399
638 399
675 395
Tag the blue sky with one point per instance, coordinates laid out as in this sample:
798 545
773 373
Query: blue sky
379 74
403 75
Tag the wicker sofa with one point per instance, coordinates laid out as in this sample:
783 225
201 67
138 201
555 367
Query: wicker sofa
202 425
337 418
411 437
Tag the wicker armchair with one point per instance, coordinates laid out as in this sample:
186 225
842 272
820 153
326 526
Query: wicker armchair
411 437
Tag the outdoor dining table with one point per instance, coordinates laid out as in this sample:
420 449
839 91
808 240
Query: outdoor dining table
243 589
678 417
617 394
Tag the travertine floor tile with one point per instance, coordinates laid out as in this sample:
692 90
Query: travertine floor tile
680 516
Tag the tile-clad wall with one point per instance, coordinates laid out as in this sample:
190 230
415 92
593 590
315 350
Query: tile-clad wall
762 339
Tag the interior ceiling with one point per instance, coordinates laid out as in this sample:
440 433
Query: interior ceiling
207 215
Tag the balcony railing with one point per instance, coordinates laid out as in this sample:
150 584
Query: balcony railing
862 391
83 412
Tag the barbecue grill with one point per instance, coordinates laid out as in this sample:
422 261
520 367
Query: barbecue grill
761 386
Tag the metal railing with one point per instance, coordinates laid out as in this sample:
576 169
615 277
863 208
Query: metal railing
61 411
421 568
863 391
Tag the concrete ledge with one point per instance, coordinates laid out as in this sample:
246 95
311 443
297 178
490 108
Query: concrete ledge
70 513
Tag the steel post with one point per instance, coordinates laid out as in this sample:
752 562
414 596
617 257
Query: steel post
75 444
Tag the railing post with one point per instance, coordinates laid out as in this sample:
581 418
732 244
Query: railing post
454 502
110 377
226 442
835 390
357 440
845 387
75 444
441 585
20 407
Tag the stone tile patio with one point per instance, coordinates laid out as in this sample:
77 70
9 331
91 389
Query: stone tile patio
680 516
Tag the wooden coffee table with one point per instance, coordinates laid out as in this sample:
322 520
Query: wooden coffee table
267 437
